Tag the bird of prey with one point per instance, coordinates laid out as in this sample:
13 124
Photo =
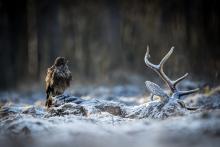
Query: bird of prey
57 79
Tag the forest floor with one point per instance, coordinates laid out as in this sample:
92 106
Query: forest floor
110 116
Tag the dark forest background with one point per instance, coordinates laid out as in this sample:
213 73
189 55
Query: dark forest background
107 39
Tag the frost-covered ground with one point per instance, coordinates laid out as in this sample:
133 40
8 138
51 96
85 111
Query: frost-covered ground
109 116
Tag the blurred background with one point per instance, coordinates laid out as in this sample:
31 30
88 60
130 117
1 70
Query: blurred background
105 40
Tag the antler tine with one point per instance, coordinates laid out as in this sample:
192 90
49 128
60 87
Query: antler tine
148 63
163 75
166 57
182 93
180 79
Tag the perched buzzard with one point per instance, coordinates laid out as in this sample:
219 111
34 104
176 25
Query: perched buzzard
57 80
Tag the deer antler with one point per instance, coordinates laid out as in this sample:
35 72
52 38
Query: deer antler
159 70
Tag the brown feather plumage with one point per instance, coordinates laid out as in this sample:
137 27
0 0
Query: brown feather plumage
57 79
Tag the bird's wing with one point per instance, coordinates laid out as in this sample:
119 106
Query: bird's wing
68 76
48 78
